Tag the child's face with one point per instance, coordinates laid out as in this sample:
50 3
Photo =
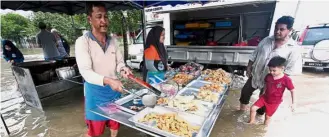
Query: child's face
276 71
7 48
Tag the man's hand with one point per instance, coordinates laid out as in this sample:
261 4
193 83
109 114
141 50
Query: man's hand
125 71
115 84
12 61
293 107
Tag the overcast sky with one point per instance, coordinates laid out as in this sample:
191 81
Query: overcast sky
21 12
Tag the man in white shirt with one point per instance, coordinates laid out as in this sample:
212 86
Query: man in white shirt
278 45
99 59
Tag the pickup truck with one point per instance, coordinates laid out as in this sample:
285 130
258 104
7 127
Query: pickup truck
248 19
315 44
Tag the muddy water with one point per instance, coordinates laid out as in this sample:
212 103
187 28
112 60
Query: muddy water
64 115
20 118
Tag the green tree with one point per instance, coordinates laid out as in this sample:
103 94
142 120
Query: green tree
15 27
115 18
80 21
134 19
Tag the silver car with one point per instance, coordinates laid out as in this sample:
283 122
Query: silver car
315 44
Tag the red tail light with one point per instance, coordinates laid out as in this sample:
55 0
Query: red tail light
302 37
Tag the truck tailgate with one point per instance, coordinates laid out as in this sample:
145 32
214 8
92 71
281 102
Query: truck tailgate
223 55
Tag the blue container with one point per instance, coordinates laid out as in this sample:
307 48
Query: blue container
155 77
223 24
181 36
180 26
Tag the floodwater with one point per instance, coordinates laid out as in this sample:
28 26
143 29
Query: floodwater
64 115
21 119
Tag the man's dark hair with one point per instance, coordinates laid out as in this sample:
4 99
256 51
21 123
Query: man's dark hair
49 27
288 20
92 4
277 62
42 25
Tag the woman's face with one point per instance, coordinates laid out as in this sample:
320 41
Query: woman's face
162 37
7 48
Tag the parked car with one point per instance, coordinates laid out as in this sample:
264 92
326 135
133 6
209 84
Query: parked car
315 44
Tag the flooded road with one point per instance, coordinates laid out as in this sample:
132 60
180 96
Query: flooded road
21 119
64 115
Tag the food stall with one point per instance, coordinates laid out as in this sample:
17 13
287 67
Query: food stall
202 122
189 106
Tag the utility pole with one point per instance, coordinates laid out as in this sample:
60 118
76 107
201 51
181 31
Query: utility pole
124 35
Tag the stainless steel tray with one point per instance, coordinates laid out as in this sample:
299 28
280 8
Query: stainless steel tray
193 91
208 106
202 77
197 84
127 99
192 119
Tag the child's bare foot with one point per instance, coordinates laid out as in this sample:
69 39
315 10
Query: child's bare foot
266 128
267 120
266 124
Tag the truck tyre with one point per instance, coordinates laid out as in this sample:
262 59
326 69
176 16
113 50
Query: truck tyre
141 66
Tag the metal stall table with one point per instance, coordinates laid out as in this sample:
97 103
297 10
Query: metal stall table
122 117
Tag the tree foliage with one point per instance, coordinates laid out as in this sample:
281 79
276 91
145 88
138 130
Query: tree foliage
15 26
134 19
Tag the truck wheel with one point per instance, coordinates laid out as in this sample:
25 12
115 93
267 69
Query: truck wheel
141 67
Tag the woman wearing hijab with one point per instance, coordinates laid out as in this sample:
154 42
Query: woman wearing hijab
156 57
11 53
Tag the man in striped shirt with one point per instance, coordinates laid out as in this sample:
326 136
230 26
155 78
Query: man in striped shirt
278 45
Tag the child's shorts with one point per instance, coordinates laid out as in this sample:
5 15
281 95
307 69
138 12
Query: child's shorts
96 128
269 108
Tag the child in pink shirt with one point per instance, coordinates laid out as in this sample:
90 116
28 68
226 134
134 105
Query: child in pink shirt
275 84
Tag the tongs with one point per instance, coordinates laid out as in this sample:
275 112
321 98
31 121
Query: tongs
133 93
144 84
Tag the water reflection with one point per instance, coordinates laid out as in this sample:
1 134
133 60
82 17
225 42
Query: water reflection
21 119
232 123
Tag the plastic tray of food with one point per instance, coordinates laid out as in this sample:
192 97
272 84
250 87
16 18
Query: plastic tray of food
109 107
187 104
168 122
131 103
169 88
